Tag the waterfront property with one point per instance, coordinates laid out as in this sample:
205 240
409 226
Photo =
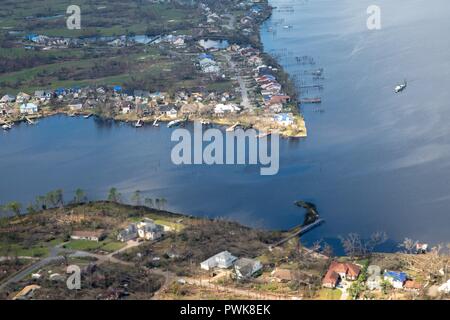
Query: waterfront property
28 108
146 229
222 260
338 271
245 268
96 235
396 279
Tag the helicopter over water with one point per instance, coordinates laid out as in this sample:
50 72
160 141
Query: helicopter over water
400 87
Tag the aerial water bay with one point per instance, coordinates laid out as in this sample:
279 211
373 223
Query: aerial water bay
373 160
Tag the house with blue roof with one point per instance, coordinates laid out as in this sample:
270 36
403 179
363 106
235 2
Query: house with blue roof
60 91
395 278
31 37
117 88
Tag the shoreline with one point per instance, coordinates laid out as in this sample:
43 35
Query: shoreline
252 119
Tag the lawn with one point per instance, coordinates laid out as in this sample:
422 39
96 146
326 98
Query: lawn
17 250
86 245
330 294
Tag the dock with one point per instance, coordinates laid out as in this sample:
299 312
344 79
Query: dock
311 100
29 120
230 129
312 86
298 233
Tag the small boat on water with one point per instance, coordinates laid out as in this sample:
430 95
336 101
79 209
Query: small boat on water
174 123
88 116
139 123
6 126
400 87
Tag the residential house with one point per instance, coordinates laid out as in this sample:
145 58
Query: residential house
28 108
43 94
220 109
245 268
168 110
125 110
411 285
338 271
96 235
284 119
22 97
396 279
149 230
127 234
331 279
279 99
421 248
8 98
221 260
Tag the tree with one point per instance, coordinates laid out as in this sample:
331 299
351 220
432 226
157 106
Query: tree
114 195
149 202
136 198
375 240
408 245
55 198
352 244
15 207
40 202
80 196
31 209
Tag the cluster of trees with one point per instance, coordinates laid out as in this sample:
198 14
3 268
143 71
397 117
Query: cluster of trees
55 199
355 246
136 198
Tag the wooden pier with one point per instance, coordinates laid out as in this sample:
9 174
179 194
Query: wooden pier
311 100
298 233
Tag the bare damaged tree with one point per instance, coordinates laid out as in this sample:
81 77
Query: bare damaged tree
352 245
408 245
375 240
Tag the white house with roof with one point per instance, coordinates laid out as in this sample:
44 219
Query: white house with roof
43 94
245 268
127 234
221 109
149 230
222 260
396 279
284 119
28 108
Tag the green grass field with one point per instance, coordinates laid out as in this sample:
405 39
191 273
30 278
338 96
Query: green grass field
86 245
329 294
103 17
